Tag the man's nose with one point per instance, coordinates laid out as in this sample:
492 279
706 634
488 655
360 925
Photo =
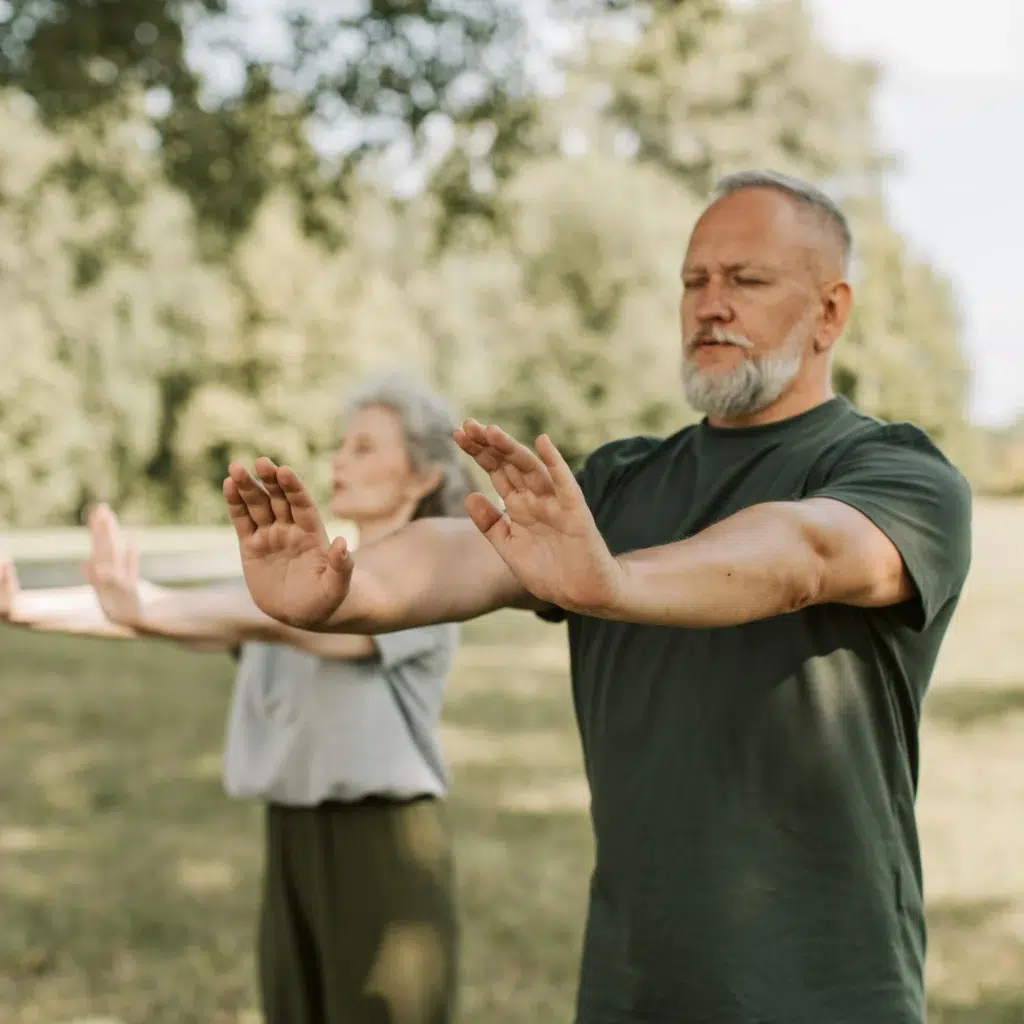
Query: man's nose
713 304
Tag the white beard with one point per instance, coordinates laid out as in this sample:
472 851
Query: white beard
750 387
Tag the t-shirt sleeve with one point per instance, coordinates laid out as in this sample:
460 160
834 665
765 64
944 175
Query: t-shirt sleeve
407 645
920 501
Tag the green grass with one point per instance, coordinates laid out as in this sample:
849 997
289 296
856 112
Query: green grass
129 882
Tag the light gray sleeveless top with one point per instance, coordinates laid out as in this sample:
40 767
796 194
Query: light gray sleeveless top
304 729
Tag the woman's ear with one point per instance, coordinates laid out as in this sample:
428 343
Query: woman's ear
428 481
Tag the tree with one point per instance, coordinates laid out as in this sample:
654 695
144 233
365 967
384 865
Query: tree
312 320
573 275
386 73
902 357
99 312
567 325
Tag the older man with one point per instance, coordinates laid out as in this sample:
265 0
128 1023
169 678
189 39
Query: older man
755 606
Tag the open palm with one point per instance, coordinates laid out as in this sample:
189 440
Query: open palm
113 569
545 533
293 572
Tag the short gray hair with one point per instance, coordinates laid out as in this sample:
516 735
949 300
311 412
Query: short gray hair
809 196
428 425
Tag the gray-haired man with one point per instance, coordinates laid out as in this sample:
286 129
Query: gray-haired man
755 606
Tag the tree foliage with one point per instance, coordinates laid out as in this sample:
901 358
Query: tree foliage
193 282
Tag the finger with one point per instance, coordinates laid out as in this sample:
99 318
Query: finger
516 453
278 500
467 444
339 558
255 497
473 440
131 560
244 524
103 536
496 452
488 520
338 574
475 431
516 479
303 509
482 454
567 488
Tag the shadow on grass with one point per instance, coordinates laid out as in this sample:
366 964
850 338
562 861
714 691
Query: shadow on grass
963 705
992 1009
946 916
967 933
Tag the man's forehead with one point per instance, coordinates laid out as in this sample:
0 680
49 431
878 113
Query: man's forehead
753 226
736 257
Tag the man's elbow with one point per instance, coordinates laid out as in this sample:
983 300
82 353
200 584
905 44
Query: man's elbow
811 568
855 566
805 587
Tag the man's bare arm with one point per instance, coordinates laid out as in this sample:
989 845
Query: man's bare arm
767 560
433 570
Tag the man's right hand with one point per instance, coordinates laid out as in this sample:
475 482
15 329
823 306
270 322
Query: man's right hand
293 572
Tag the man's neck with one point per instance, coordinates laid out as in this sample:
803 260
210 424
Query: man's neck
792 403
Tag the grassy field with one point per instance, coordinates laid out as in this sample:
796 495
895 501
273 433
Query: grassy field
128 883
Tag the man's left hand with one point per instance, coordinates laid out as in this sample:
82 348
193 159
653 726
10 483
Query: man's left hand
546 533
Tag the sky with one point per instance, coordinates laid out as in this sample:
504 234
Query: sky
951 107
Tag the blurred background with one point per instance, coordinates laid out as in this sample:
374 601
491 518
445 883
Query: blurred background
217 215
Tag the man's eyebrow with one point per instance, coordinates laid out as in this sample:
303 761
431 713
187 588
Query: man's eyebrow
730 268
756 266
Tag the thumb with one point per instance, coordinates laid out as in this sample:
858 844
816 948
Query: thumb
487 518
340 565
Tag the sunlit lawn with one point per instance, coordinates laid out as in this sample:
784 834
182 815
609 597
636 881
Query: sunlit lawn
128 882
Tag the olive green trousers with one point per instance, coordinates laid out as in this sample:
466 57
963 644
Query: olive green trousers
358 924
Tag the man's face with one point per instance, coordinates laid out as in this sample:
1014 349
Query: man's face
750 305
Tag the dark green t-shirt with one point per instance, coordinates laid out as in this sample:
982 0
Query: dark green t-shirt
753 787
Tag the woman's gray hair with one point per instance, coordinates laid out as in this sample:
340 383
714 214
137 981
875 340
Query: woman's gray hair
428 424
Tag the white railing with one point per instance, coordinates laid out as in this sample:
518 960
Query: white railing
169 555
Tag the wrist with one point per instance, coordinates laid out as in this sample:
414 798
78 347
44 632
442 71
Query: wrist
18 614
130 610
610 595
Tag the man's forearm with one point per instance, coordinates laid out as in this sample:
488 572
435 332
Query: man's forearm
431 571
757 564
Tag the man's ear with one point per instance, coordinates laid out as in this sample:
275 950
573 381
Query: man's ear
836 303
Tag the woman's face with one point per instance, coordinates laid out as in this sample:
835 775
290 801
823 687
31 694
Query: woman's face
375 483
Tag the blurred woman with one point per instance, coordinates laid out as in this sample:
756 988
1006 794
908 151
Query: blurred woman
336 735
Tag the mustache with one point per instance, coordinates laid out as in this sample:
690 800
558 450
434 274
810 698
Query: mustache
703 335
